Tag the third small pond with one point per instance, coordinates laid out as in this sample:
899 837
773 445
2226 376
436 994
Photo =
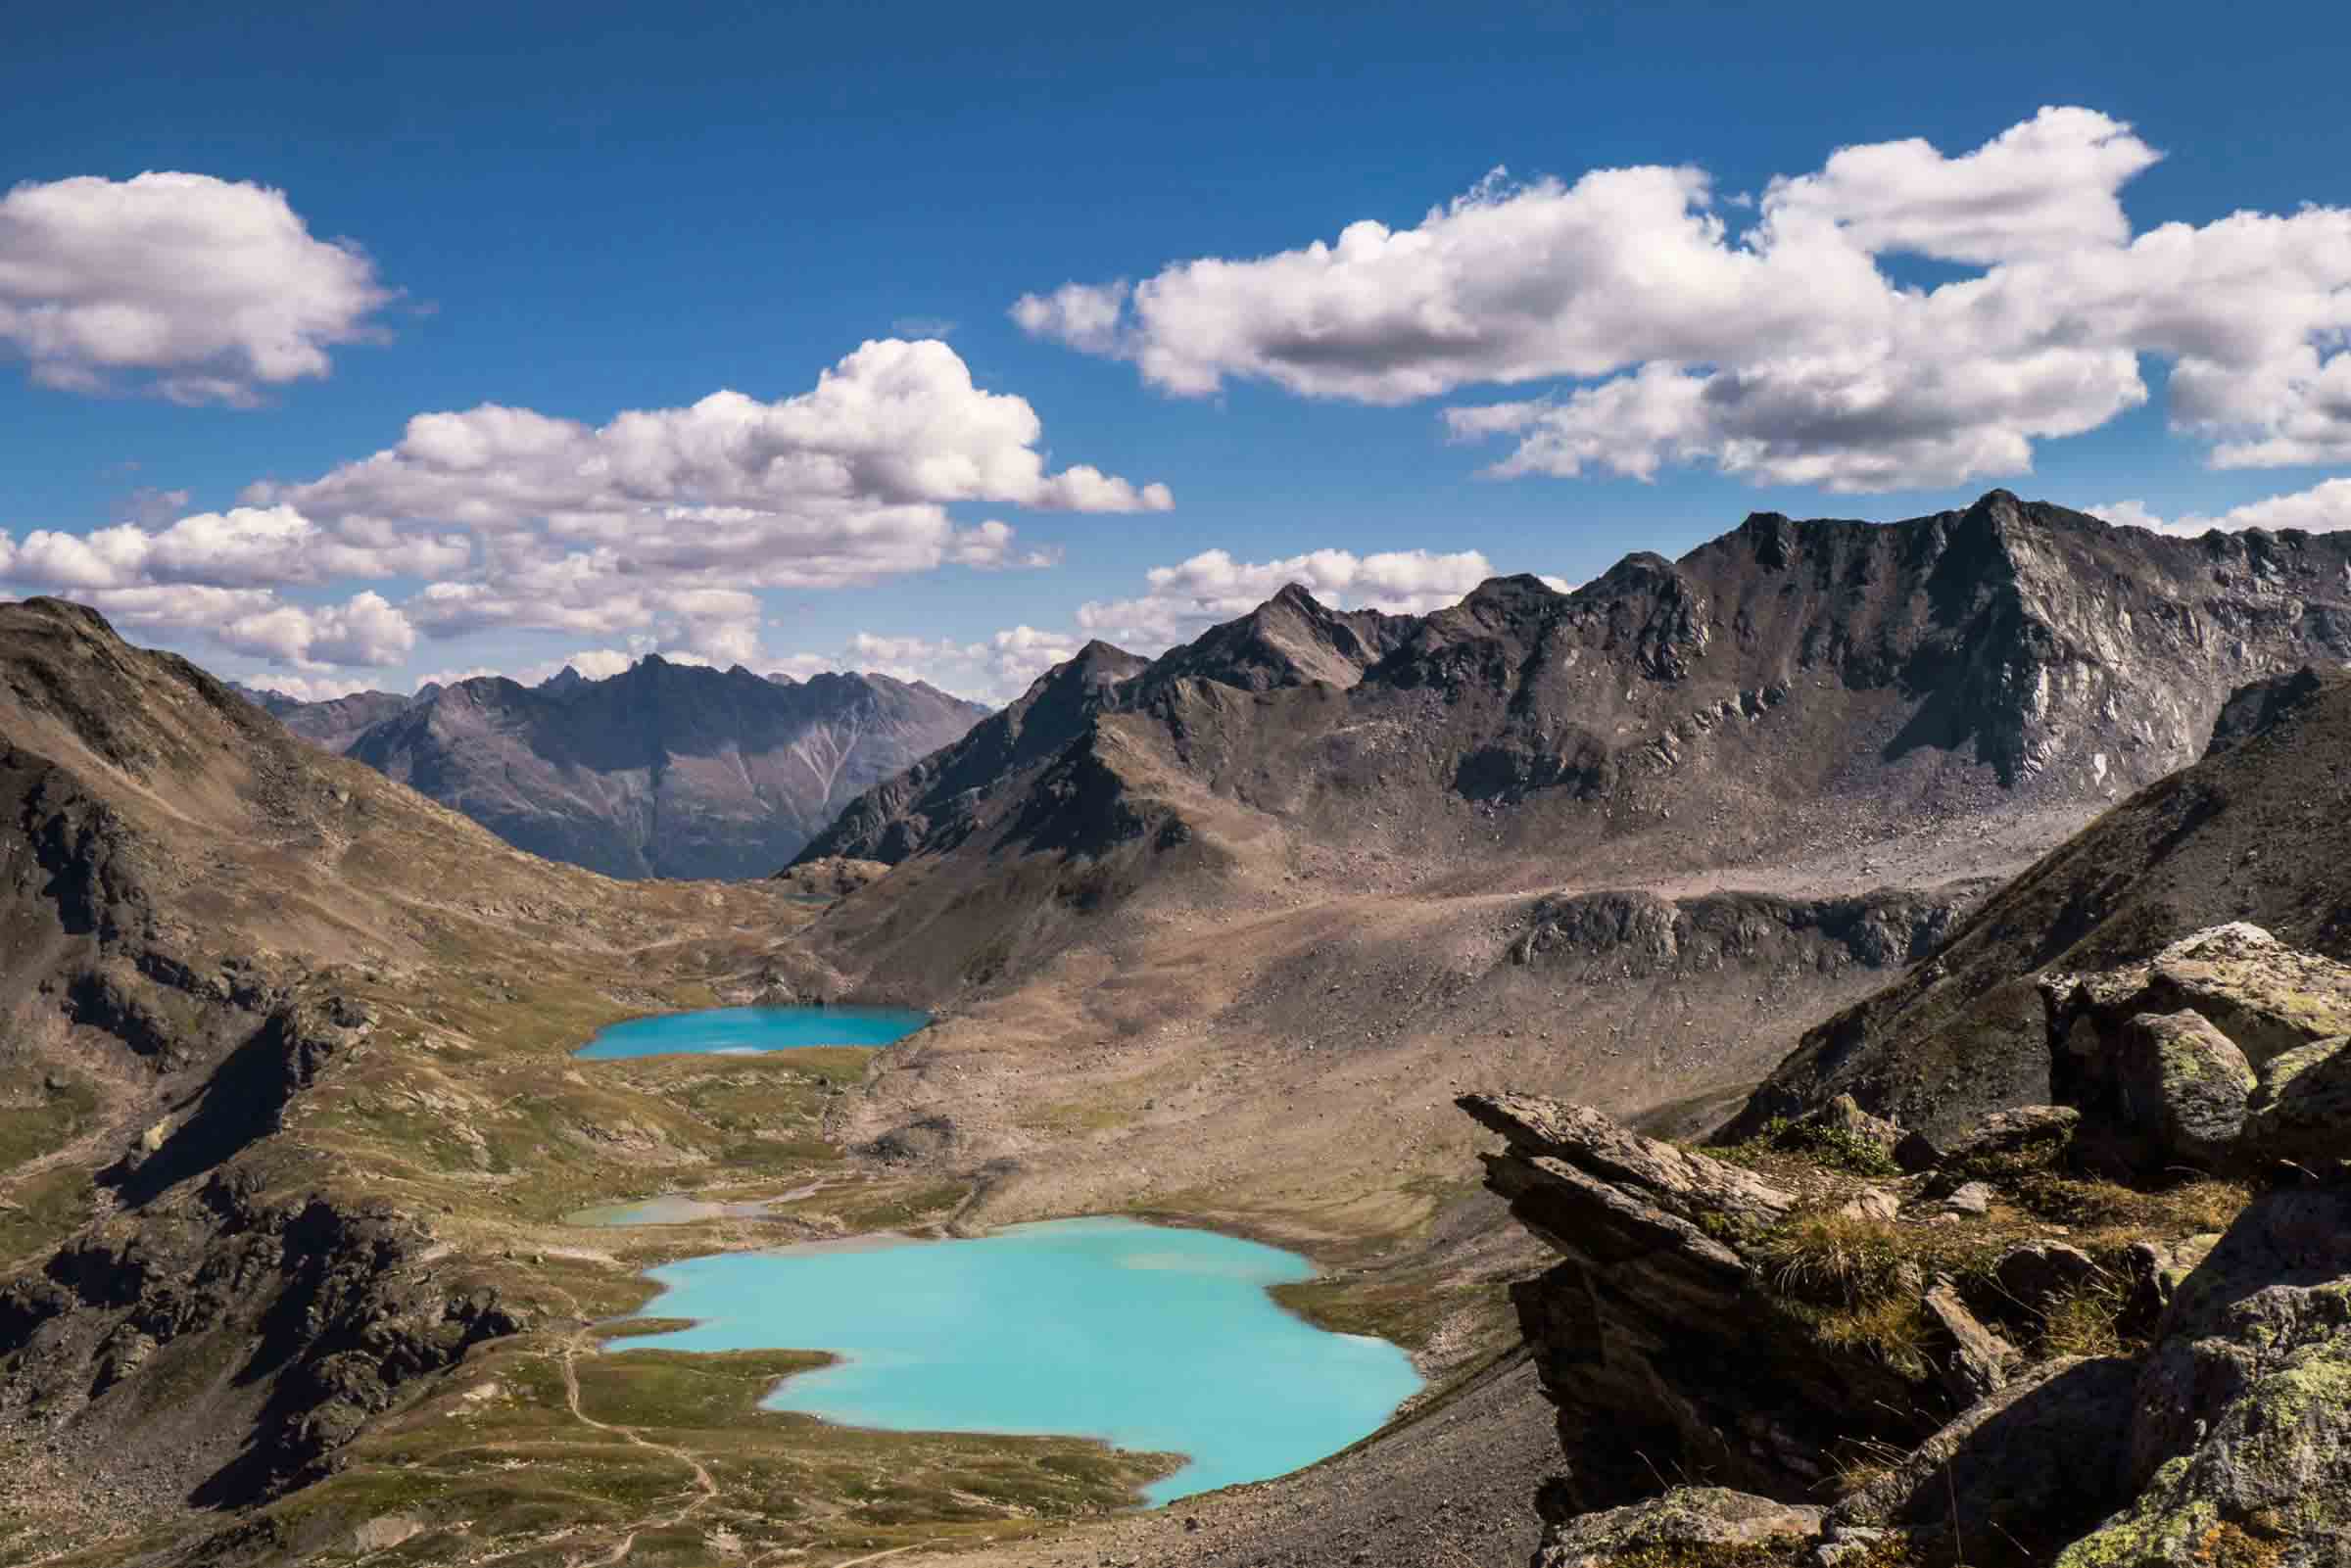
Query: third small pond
744 1029
1150 1337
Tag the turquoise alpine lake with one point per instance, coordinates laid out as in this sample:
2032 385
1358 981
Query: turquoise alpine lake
1149 1338
745 1029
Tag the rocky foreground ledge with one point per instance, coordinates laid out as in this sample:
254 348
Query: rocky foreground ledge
2111 1334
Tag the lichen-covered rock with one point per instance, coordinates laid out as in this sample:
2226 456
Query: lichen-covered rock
2242 1436
2032 1465
2183 1086
1685 1517
2265 996
2301 1109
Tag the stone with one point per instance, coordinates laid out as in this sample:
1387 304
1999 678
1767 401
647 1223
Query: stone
1845 1542
1653 1337
1872 1203
2039 1273
2300 1112
1843 1117
1972 1361
1684 1518
2039 1462
2183 1084
2266 997
2158 1268
1973 1198
2002 1133
384 1532
2241 1434
1679 1181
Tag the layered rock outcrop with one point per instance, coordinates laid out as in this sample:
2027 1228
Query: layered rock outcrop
1761 1330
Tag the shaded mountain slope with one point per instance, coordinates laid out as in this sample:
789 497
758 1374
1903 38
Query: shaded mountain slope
665 770
2258 830
268 1024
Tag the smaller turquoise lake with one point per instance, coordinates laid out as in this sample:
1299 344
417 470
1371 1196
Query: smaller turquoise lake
1149 1338
743 1029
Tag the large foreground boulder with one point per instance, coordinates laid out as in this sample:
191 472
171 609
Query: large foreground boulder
2183 1086
1659 1338
2240 1448
2031 1467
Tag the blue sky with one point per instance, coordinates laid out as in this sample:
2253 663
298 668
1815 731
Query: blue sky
581 211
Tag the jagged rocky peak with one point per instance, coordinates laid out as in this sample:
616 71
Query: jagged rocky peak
1291 640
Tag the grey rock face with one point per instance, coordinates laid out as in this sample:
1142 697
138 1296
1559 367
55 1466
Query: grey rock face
1999 1133
2039 1273
2037 1462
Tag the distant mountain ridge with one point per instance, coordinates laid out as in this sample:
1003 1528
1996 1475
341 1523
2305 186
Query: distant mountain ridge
663 769
1780 691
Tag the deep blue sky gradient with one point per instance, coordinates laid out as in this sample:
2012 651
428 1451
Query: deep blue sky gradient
596 206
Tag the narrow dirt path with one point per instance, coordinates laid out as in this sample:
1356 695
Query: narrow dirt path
706 1489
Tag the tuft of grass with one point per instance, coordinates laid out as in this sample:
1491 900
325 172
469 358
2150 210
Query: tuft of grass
1832 1260
2190 1207
2088 1321
1893 1328
1830 1148
1827 1147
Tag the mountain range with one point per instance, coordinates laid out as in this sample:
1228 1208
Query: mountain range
291 1132
663 769
1782 694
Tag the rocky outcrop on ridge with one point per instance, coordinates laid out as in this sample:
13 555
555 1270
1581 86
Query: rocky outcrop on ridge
1713 1326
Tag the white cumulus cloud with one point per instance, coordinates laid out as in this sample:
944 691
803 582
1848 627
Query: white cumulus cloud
202 289
1777 346
660 524
1187 599
2323 508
